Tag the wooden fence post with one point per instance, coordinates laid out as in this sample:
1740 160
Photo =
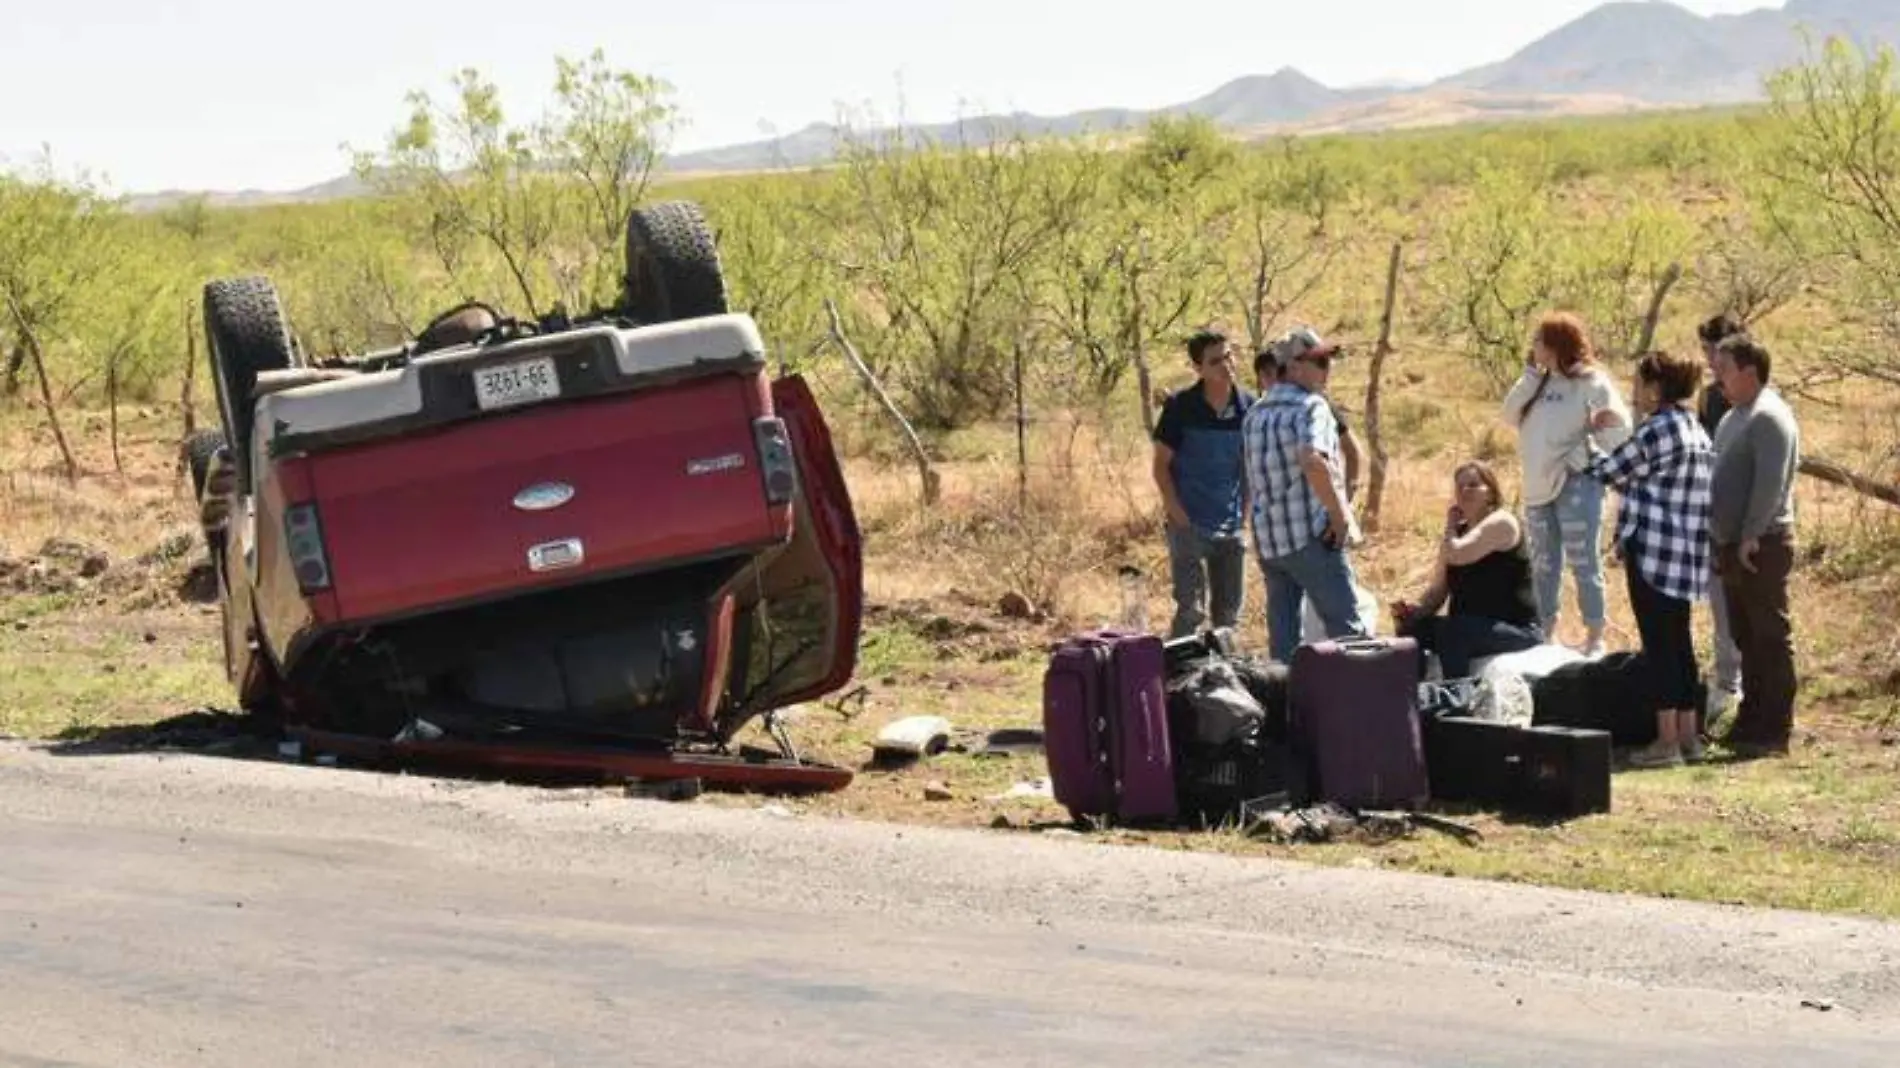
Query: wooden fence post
1375 436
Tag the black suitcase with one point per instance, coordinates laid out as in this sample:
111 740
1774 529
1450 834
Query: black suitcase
1556 772
1466 760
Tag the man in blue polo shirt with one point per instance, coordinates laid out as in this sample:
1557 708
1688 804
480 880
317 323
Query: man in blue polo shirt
1198 469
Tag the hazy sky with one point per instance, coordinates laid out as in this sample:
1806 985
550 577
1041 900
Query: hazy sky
230 94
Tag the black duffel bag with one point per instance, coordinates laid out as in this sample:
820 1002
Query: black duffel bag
1229 745
1609 694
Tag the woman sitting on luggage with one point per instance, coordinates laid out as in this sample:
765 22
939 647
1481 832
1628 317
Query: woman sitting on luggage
1662 537
1484 571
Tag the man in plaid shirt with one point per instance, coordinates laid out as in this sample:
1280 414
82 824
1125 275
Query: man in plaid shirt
1662 536
1296 489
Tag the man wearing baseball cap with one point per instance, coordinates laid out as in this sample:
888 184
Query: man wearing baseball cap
1296 488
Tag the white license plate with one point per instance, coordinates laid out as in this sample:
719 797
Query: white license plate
509 384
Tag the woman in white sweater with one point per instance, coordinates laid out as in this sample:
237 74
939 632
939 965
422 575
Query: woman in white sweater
1563 400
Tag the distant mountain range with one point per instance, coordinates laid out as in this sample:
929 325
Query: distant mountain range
1619 57
1662 54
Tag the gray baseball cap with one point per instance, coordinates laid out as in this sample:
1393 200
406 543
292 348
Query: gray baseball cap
1298 343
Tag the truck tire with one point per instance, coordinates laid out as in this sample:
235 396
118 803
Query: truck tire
672 264
199 448
245 333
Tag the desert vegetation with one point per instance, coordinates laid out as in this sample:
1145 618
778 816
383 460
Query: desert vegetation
1021 302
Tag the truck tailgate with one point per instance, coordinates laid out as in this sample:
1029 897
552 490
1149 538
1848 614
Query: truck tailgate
476 510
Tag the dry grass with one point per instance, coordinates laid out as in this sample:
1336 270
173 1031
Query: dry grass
124 514
1091 508
981 545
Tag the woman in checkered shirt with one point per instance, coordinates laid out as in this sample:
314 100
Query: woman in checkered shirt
1662 537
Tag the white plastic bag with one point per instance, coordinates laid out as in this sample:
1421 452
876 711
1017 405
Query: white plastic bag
1313 628
1504 697
1532 663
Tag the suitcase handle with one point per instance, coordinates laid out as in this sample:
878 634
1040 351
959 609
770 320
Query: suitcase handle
1360 648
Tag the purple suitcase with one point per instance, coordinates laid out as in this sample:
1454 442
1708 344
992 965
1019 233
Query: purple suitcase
1353 706
1105 727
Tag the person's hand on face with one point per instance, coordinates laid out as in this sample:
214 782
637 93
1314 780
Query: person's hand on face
1470 499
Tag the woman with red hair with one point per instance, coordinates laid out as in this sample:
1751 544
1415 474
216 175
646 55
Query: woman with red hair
1563 402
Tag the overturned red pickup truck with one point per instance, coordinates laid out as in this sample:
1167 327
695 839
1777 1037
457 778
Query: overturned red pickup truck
606 542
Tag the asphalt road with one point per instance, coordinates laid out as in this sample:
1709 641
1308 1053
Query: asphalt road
161 910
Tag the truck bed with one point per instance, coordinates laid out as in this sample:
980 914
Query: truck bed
646 458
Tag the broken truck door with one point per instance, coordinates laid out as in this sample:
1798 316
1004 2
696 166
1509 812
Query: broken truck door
799 610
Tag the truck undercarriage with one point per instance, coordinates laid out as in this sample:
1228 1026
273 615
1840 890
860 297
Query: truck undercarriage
602 544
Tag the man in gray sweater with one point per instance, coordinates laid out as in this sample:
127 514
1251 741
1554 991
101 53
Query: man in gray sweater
1757 452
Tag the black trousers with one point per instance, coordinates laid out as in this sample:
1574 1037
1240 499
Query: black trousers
1673 675
1758 616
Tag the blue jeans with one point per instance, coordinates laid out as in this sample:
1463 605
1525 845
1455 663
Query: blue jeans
1313 571
1458 640
1568 530
1209 573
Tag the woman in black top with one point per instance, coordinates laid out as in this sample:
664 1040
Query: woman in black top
1484 571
